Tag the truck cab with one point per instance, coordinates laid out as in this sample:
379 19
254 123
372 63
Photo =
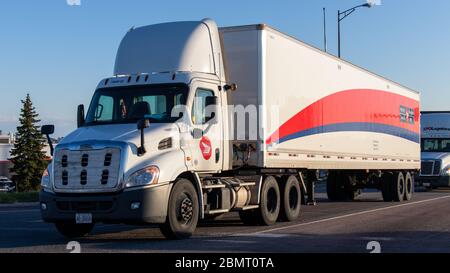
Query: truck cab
158 120
435 150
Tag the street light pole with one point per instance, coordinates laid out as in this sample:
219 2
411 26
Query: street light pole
341 16
339 33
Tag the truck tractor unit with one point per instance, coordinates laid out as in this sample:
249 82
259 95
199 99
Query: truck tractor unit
435 147
198 121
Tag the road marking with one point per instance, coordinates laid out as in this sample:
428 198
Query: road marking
344 216
231 241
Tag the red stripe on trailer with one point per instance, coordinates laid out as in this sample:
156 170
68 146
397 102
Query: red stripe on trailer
351 106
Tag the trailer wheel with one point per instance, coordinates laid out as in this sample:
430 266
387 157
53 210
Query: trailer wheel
409 186
72 230
398 187
183 211
291 199
269 207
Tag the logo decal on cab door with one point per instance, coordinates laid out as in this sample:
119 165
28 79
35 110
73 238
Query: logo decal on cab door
205 147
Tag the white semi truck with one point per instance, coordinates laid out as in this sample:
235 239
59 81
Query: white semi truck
198 121
435 165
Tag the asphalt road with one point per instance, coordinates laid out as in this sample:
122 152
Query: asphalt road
422 225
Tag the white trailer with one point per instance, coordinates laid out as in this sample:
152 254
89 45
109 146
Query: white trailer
435 145
202 148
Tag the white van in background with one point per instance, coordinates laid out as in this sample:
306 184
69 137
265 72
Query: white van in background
435 147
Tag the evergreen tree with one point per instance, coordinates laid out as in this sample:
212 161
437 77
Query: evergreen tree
27 156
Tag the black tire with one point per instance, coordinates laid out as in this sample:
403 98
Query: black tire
269 207
183 211
291 199
72 230
398 187
409 186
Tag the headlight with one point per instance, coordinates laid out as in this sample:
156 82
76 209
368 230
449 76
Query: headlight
446 170
146 176
45 180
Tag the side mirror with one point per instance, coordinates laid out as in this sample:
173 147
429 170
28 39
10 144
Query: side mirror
232 87
80 115
141 125
47 130
197 133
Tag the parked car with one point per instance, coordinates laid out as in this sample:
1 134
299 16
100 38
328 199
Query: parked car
6 185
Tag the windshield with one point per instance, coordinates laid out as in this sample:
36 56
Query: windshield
440 145
129 104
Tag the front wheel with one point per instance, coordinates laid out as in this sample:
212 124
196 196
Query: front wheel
72 230
183 211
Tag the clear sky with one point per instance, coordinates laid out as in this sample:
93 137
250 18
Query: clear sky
58 53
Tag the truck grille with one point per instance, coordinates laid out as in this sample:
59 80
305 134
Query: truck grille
86 169
430 167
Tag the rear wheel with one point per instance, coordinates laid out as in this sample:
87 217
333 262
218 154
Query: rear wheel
409 186
183 211
269 207
398 187
291 199
72 230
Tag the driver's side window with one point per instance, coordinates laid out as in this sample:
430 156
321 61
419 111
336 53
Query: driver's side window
199 106
104 111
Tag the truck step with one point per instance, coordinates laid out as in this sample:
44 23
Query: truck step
213 186
247 207
244 184
217 211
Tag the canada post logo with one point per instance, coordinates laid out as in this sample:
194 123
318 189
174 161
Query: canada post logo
205 147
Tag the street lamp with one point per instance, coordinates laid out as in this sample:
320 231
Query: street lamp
344 14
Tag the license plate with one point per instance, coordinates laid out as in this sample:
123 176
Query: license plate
83 218
426 184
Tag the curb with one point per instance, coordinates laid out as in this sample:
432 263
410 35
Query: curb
20 205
